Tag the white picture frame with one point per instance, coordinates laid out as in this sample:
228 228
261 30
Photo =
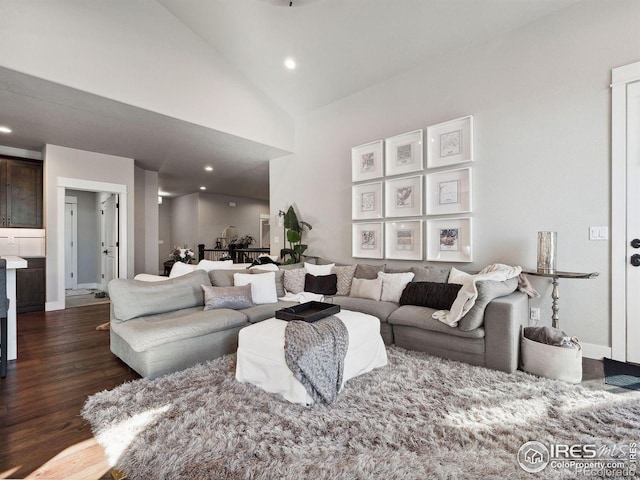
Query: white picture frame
449 192
449 240
404 153
367 161
450 143
366 201
404 240
367 240
403 197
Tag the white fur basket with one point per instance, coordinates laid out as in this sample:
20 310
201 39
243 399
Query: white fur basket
550 361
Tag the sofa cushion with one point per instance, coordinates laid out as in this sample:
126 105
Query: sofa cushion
368 272
458 276
293 266
345 278
294 280
321 284
363 288
235 298
378 309
487 291
259 313
279 279
429 273
181 268
393 284
208 265
437 295
420 317
222 278
318 270
151 331
263 286
135 298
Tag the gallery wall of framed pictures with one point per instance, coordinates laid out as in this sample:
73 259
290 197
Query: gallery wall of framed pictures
400 210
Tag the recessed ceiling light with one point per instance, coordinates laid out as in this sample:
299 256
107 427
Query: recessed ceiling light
203 188
290 63
5 130
208 168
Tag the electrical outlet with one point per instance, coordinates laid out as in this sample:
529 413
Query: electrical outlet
534 316
276 239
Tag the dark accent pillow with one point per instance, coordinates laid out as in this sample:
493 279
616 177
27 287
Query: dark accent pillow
439 296
321 284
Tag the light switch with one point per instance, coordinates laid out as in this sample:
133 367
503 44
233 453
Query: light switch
276 239
598 233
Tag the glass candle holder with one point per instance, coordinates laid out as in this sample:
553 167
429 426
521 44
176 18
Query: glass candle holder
547 252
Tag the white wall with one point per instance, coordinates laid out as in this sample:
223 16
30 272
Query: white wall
215 214
75 42
201 218
541 105
87 166
184 222
146 221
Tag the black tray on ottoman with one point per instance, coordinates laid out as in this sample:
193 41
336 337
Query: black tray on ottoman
308 312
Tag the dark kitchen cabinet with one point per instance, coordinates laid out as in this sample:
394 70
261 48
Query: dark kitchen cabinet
30 286
20 193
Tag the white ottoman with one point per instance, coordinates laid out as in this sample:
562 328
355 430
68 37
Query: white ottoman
261 354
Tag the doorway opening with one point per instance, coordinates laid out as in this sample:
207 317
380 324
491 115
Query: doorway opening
91 245
114 264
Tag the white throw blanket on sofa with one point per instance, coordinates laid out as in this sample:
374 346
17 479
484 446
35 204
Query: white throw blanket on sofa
469 292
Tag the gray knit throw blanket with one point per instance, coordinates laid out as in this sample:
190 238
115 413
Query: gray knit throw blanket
315 355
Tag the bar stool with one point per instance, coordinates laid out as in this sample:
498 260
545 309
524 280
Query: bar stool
4 307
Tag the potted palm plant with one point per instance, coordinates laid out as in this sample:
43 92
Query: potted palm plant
294 228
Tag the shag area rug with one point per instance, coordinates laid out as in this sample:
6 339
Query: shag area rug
419 417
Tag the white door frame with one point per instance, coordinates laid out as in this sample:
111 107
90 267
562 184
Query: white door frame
89 186
620 78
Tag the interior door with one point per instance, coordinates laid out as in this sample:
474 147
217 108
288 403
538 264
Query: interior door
70 243
109 228
633 222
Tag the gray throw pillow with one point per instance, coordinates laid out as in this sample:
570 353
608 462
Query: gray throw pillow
366 288
345 277
487 291
368 272
431 274
235 298
294 280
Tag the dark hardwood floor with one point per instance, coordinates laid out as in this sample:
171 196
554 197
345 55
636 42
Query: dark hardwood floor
62 359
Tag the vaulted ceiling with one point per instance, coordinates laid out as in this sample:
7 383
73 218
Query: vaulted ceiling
340 46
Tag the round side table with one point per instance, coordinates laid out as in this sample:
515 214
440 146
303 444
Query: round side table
555 276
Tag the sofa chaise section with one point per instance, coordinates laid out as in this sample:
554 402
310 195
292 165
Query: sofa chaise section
493 345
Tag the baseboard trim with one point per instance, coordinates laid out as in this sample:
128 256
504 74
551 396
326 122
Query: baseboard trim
50 306
596 352
90 285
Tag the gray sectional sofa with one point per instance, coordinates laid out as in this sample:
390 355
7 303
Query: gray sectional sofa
161 327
